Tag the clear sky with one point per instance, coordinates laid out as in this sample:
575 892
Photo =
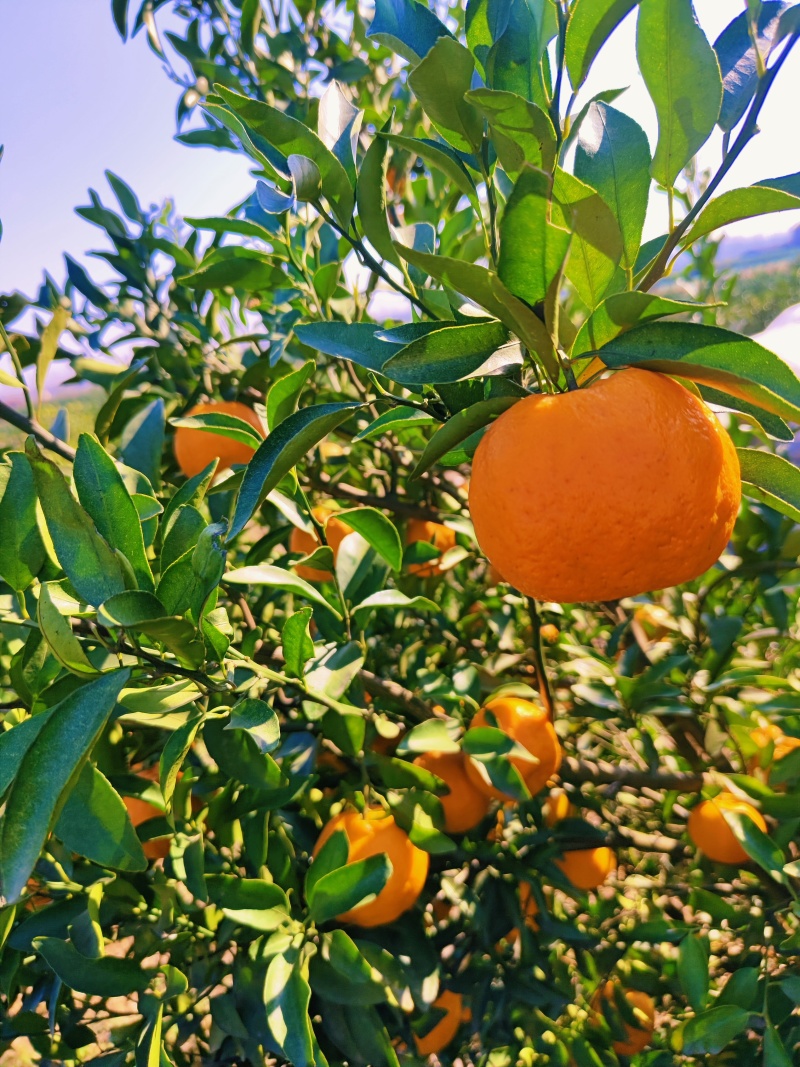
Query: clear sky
76 100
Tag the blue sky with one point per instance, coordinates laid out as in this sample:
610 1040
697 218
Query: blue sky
76 101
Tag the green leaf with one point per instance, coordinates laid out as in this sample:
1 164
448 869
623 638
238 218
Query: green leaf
84 284
446 355
290 137
371 197
532 249
622 312
266 574
789 183
149 1049
298 648
393 598
338 126
107 501
435 735
378 531
521 132
439 82
142 442
741 988
281 451
192 491
229 426
771 425
591 24
22 553
682 76
306 178
94 823
109 976
224 224
710 1032
407 27
737 59
286 998
439 155
613 157
341 974
347 887
14 743
88 560
596 239
604 97
356 341
174 753
516 60
458 428
252 902
260 721
395 421
330 857
47 768
284 396
739 204
758 845
105 416
771 479
693 970
710 356
57 631
236 267
119 11
775 1052
49 346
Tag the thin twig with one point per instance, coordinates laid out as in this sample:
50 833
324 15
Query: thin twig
32 427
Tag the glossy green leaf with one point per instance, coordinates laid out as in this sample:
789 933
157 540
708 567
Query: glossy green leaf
88 560
260 721
14 743
446 355
407 27
737 59
94 823
286 999
597 247
682 76
298 648
520 131
775 1052
439 155
174 753
371 197
57 631
306 178
338 126
347 887
532 249
395 421
591 24
440 82
789 183
110 976
281 451
710 1032
607 96
515 62
236 267
710 356
228 426
770 425
22 553
103 494
693 970
330 857
613 157
394 598
142 441
771 479
459 428
284 396
47 768
622 312
356 341
378 531
105 416
278 578
739 204
252 902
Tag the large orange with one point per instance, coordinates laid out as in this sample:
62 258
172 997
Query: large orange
305 543
636 1037
370 833
195 449
527 724
628 485
440 536
465 805
442 1033
588 868
710 832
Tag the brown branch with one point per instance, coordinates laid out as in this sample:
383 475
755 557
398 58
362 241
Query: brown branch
43 436
390 502
383 687
603 773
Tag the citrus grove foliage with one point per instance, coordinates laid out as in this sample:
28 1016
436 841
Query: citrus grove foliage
289 773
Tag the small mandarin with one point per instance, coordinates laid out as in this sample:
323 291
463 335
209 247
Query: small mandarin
195 449
588 868
637 1037
141 811
527 724
550 633
782 744
442 1033
710 831
465 805
557 807
305 543
440 536
372 833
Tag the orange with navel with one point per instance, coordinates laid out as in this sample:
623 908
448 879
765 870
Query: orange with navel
637 1037
627 485
304 543
710 831
435 533
527 724
195 449
371 833
465 805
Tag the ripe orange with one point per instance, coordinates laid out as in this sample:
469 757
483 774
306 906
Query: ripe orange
305 543
528 905
558 806
371 833
441 537
550 633
36 899
527 724
627 485
465 805
443 1032
588 868
195 449
782 744
140 811
636 1037
709 830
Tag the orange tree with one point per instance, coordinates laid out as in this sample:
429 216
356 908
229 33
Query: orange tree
290 771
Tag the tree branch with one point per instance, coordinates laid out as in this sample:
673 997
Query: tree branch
32 427
603 773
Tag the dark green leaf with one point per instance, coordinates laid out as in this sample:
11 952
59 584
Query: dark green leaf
407 27
142 444
94 823
693 970
346 887
771 425
357 341
439 155
236 267
737 59
789 183
84 284
47 768
21 550
516 62
298 648
88 560
613 157
265 574
119 11
772 480
713 1030
174 753
260 721
286 998
775 1052
395 421
446 355
710 356
459 428
371 197
591 24
109 976
532 250
758 845
105 416
284 396
330 857
252 902
682 76
439 82
14 743
596 239
229 426
741 988
57 631
283 450
378 531
520 131
622 312
739 204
